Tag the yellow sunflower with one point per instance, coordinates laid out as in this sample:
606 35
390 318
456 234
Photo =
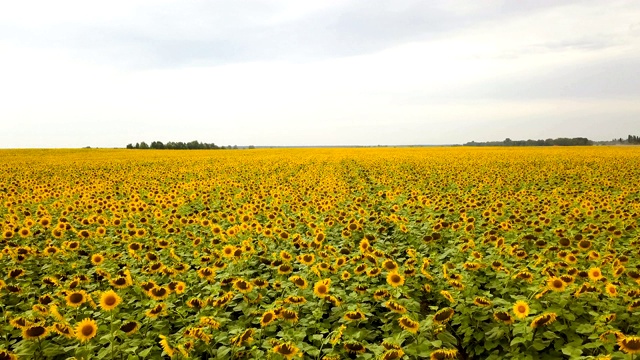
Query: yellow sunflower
288 350
408 324
394 279
86 329
109 300
322 288
630 344
521 309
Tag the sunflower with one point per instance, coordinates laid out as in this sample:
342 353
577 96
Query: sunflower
16 273
245 337
284 269
381 294
321 288
166 347
595 274
261 283
97 259
63 329
296 300
443 316
443 354
521 309
611 290
288 350
395 307
556 284
86 329
210 322
390 265
334 300
158 292
543 320
482 301
289 315
392 354
156 311
196 303
306 259
109 300
354 348
76 298
354 316
243 286
35 332
267 318
7 355
503 317
394 279
447 295
629 344
130 327
360 269
299 281
408 324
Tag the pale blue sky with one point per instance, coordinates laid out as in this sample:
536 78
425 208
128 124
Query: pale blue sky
104 74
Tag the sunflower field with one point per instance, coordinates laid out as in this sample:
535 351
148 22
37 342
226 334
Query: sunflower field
380 253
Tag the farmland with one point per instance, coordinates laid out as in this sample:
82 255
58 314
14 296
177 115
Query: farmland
385 253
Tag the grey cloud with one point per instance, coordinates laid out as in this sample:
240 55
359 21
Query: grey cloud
213 33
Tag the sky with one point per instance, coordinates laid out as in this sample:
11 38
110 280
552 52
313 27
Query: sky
291 72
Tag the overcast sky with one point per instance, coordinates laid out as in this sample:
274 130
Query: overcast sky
109 73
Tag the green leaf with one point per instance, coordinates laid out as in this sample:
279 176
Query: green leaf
145 352
517 340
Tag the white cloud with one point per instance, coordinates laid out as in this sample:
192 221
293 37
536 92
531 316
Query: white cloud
518 75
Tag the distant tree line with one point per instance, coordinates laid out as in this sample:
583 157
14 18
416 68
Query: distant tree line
633 139
579 141
172 145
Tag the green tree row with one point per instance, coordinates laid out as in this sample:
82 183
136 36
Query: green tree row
172 145
578 141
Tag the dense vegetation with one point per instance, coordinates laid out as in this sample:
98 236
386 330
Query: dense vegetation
579 141
441 253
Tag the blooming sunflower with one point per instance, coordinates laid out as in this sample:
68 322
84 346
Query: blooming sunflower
35 332
611 290
354 316
443 315
354 348
556 284
408 324
245 337
267 318
63 329
97 259
321 288
521 309
86 329
109 300
503 317
482 301
394 279
595 274
130 327
543 320
392 354
629 344
7 355
443 354
76 298
288 350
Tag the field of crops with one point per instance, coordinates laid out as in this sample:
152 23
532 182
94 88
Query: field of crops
409 253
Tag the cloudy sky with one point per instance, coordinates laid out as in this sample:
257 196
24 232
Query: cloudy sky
104 74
